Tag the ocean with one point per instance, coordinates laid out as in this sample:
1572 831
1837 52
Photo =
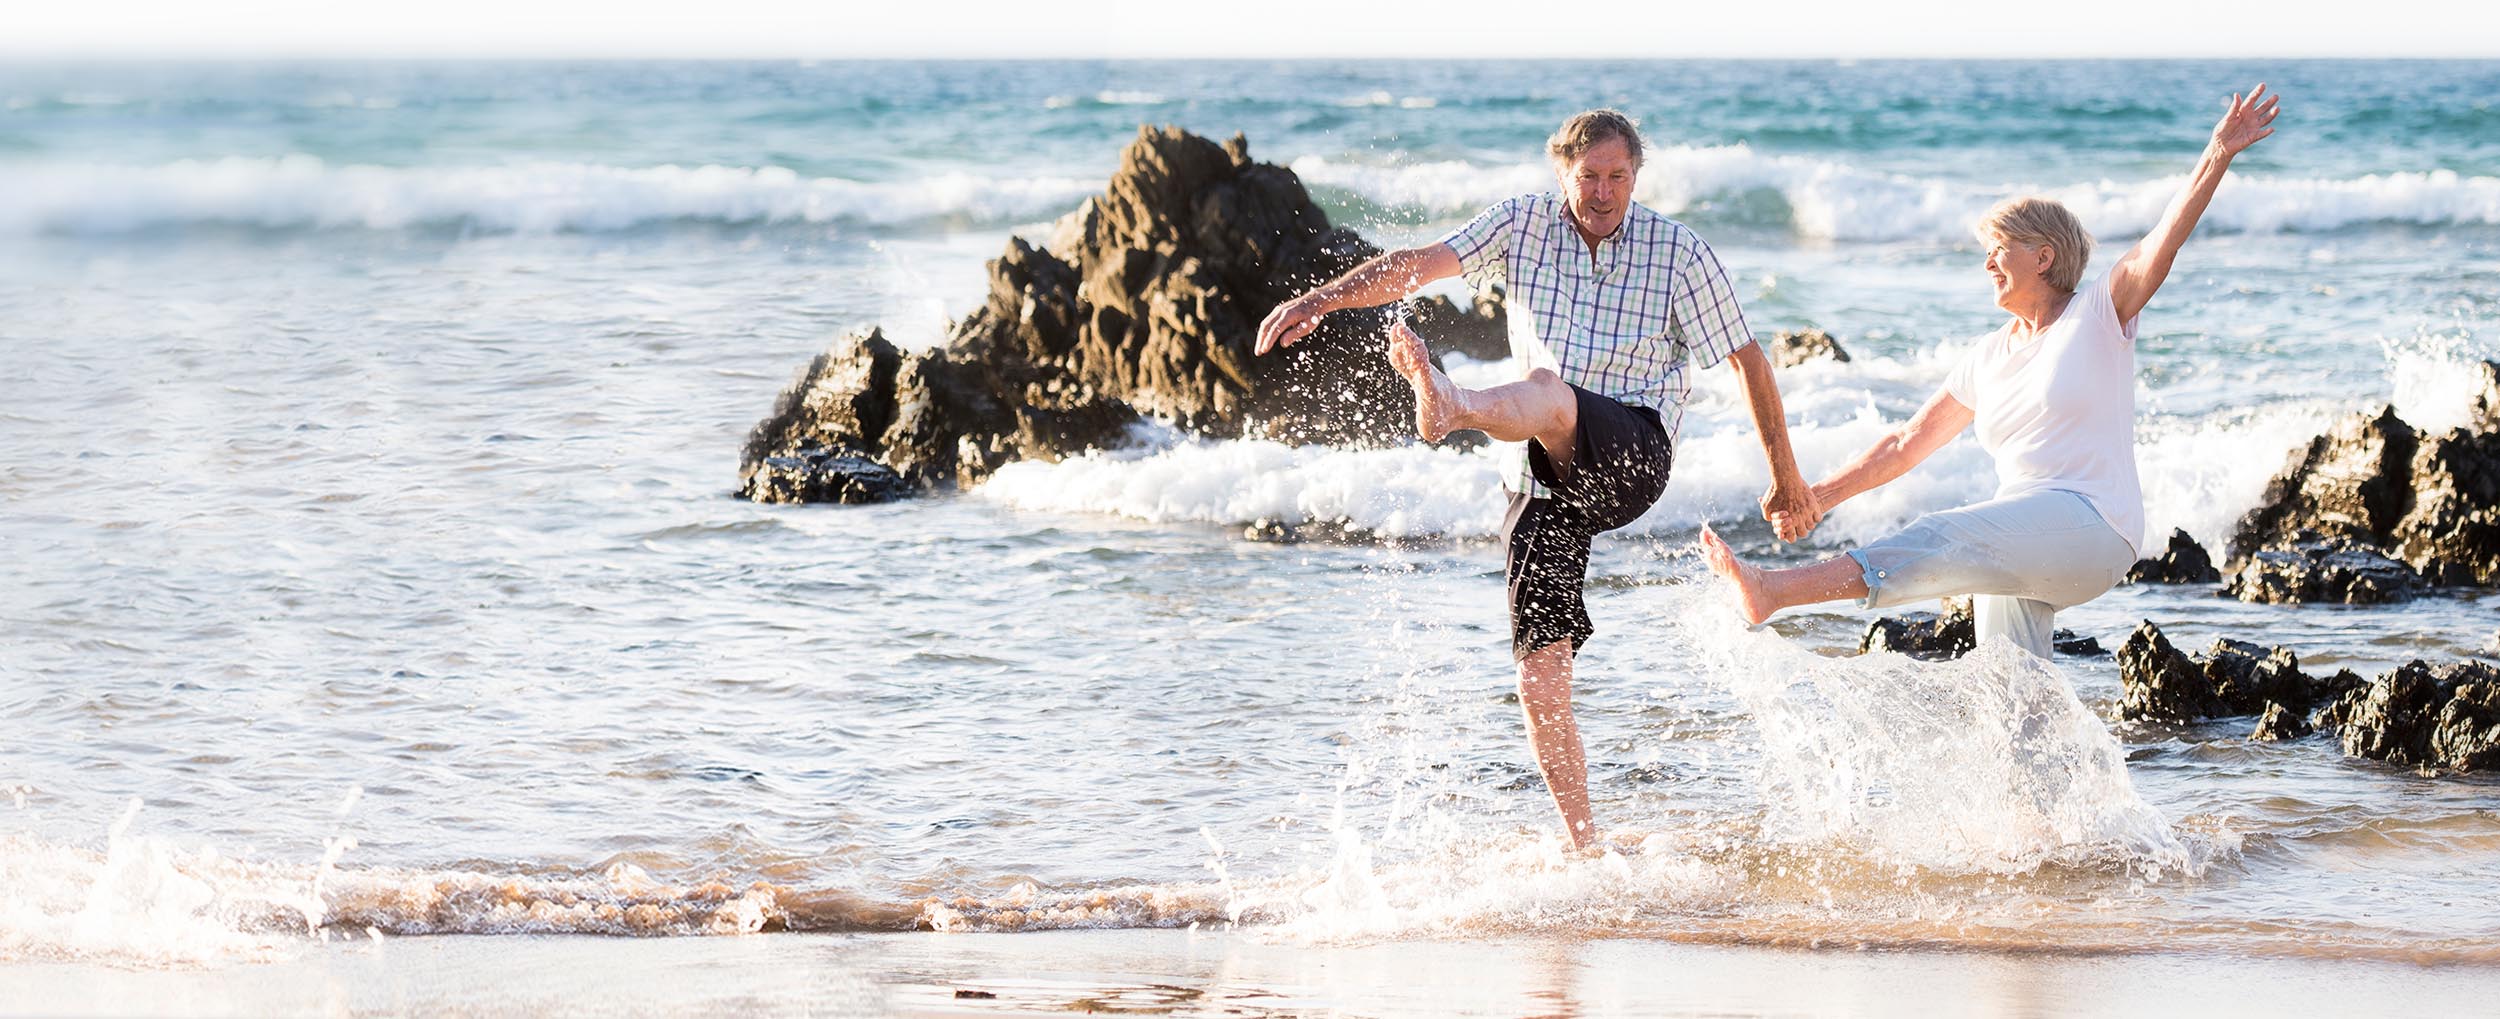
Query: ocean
368 440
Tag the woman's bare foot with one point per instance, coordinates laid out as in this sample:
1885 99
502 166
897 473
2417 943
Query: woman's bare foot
1752 600
1437 399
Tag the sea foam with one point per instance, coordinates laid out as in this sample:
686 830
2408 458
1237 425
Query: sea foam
2198 473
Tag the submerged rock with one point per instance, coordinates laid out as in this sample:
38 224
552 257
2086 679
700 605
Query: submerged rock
2067 642
2183 562
2432 501
1932 637
2162 684
2316 569
1922 635
822 476
2431 717
1790 349
2280 723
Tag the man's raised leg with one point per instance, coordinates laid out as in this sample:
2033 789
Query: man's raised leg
1554 735
1540 407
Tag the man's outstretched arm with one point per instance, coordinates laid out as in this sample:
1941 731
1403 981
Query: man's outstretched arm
1384 279
1789 505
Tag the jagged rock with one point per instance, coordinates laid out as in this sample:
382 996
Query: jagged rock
2426 716
2316 569
2183 562
1790 349
2280 723
1933 637
2160 683
1146 304
2338 710
2354 482
2453 532
2377 482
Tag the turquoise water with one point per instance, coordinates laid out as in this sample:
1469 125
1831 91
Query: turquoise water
366 454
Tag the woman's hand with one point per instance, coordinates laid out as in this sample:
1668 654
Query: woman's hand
2245 121
1791 508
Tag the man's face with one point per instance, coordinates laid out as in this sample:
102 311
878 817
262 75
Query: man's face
1598 185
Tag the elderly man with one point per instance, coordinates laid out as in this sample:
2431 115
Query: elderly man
1612 308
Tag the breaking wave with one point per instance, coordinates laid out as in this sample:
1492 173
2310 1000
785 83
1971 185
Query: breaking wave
1836 201
301 192
1726 184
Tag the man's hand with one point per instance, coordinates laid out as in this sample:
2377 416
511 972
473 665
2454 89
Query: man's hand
1291 321
1791 508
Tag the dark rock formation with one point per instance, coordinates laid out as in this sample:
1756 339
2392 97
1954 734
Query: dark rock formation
2354 482
1790 349
821 476
1932 637
1148 304
2453 532
2066 642
2280 723
2427 716
2433 501
1923 635
2162 684
2316 569
2184 562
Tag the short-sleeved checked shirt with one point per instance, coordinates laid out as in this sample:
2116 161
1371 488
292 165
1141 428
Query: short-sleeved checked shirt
1631 323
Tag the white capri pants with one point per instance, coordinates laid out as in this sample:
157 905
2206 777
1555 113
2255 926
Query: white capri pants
2021 558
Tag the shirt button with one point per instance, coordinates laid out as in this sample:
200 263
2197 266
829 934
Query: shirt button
1879 574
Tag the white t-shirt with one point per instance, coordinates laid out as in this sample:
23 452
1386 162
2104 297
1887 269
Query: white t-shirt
2058 412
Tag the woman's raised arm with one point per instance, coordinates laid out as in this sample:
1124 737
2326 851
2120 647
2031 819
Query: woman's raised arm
2142 269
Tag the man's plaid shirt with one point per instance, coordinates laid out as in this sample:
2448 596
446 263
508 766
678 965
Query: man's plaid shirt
1632 323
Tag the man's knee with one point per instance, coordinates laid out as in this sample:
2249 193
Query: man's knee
1558 407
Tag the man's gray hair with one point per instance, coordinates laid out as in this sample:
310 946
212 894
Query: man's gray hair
1582 132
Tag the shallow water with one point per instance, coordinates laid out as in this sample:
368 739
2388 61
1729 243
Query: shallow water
370 531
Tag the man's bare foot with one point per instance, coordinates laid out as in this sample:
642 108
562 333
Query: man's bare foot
1752 600
1437 399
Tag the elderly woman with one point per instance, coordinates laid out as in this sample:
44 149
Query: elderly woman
2053 393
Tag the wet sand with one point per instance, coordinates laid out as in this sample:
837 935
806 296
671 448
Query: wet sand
1185 973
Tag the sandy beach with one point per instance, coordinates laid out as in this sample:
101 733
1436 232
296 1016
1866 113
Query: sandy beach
1186 973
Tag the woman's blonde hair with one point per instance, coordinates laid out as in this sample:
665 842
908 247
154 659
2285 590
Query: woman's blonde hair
2033 220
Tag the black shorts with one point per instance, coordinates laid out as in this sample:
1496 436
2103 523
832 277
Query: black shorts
1618 468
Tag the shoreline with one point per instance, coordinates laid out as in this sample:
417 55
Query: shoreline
1193 973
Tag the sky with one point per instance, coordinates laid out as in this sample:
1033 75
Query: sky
849 29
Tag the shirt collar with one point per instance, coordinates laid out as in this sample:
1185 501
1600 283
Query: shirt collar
1572 223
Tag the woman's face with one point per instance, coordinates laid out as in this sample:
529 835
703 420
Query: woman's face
2016 270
